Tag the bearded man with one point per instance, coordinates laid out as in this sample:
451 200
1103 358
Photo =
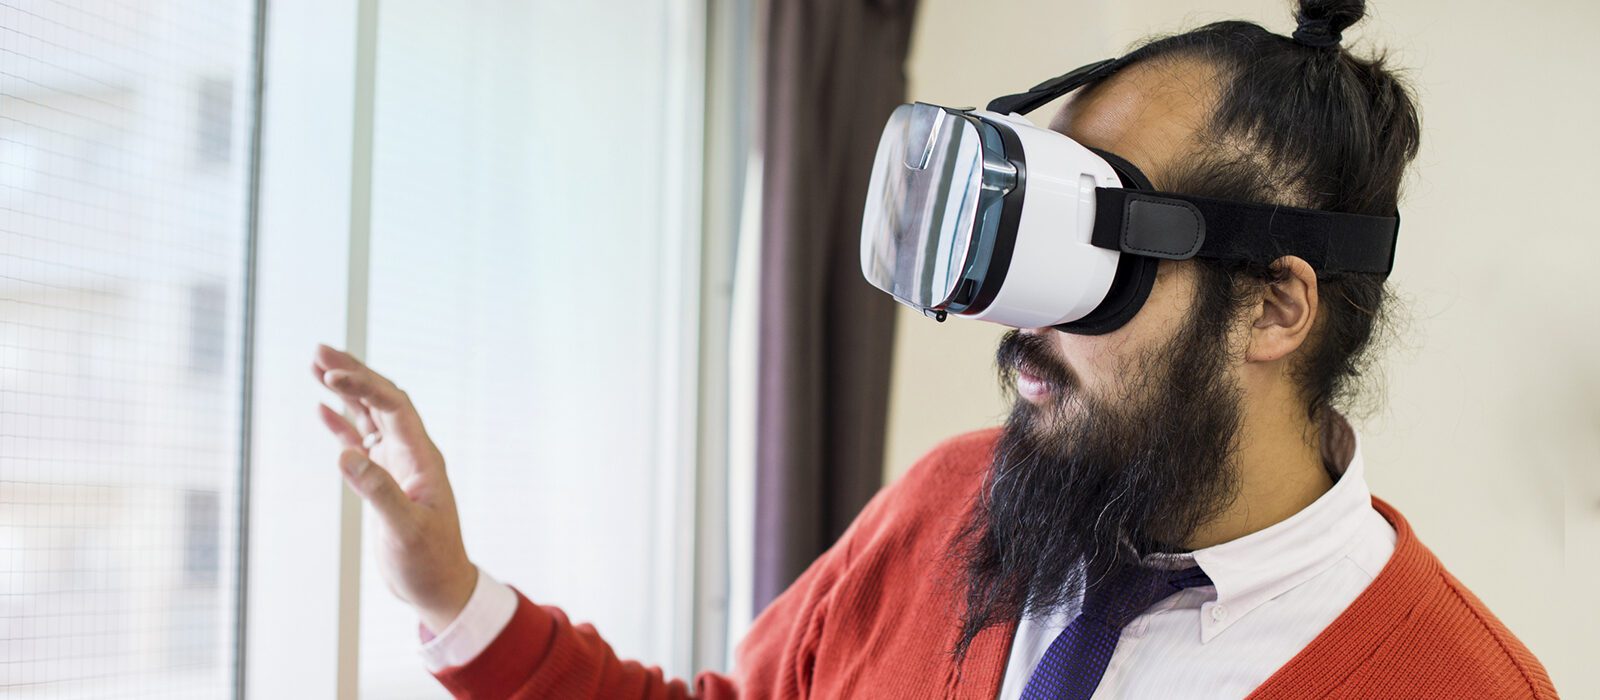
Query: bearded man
1174 509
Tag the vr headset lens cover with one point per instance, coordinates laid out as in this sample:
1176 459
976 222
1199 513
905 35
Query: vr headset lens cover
930 196
985 215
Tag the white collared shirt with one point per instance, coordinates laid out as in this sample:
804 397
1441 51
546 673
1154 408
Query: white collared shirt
1273 591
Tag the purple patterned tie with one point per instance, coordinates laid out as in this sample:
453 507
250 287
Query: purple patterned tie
1072 666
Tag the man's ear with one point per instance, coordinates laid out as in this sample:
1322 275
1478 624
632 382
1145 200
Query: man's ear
1286 311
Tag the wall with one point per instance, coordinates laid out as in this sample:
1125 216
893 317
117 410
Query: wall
1490 437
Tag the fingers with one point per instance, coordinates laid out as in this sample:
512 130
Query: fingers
367 387
345 374
359 415
340 426
339 363
364 389
328 358
374 484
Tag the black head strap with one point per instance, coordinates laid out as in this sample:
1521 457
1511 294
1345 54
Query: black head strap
1179 227
1043 93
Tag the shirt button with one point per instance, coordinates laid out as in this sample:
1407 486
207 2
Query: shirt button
1218 612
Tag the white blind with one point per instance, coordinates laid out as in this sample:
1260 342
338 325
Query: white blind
523 289
124 175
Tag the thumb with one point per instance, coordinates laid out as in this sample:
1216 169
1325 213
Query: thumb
374 484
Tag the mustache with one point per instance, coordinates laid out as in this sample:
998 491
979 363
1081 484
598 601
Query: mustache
1031 353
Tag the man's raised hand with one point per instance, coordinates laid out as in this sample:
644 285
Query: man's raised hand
391 463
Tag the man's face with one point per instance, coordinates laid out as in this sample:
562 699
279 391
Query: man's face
1119 443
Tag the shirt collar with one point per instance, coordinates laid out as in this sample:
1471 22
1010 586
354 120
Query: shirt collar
1262 565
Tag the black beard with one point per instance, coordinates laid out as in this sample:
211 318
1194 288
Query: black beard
1096 480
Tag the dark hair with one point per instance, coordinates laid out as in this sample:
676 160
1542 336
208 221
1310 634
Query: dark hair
1300 122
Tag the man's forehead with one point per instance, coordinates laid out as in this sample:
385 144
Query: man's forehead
1149 113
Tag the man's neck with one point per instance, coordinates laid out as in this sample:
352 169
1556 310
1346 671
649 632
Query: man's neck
1280 470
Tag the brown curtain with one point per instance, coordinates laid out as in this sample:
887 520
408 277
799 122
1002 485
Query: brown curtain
835 69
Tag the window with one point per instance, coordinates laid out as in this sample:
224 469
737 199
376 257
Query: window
498 206
528 232
124 198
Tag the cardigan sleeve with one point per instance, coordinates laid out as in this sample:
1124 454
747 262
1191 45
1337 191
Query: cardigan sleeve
543 654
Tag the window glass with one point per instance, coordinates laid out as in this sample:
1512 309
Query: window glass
125 134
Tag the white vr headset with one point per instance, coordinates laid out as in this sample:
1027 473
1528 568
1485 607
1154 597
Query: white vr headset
979 213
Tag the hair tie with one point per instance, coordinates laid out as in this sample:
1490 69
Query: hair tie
1316 33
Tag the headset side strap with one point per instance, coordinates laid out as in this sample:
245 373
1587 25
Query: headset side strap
1178 227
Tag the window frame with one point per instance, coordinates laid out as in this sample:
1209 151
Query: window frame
314 137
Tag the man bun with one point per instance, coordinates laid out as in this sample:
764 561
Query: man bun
1322 22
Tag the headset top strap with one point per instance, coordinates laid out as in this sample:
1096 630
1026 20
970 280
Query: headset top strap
1039 95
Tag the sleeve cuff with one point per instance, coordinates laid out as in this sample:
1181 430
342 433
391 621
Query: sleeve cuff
486 614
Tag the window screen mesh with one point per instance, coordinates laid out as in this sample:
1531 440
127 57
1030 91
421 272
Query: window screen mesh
124 180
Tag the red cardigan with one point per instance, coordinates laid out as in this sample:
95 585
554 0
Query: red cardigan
876 615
